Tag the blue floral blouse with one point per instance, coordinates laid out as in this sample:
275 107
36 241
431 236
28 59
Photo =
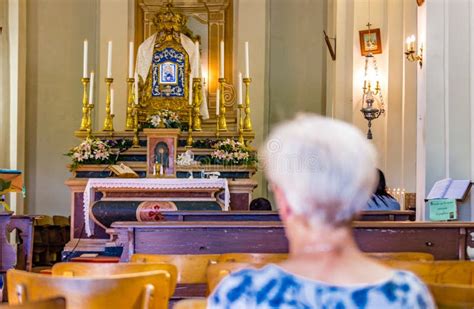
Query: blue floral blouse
273 287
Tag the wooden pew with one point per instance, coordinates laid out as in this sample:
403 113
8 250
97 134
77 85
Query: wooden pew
198 237
192 271
23 257
440 272
452 295
118 291
72 269
445 241
52 303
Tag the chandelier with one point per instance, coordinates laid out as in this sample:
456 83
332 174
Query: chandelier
372 100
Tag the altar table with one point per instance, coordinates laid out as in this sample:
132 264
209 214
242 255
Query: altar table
143 185
446 241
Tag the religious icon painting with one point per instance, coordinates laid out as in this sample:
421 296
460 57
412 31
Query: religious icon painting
370 42
168 73
161 152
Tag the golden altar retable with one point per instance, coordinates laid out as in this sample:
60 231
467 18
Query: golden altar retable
170 24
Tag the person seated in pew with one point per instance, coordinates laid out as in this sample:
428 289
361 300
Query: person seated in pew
381 199
260 204
322 173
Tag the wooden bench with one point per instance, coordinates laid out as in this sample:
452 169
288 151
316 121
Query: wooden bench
445 241
23 257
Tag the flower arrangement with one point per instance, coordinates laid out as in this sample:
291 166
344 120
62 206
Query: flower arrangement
230 152
164 118
96 151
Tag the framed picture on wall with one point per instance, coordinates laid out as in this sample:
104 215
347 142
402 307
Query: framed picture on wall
161 152
370 42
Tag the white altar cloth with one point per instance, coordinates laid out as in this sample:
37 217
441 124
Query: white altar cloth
147 183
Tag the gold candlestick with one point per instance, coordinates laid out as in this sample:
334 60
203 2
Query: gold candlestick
217 127
108 121
247 120
189 140
131 99
241 124
197 101
136 139
222 121
90 107
85 102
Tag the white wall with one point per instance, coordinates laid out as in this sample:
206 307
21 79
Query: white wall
297 58
393 133
4 97
250 24
54 91
447 93
12 101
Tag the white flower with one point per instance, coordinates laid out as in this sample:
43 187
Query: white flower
155 120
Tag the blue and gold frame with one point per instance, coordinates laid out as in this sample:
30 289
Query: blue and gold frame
167 85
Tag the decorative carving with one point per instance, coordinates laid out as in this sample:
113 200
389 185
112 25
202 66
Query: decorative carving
229 94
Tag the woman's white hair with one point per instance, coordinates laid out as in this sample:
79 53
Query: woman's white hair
326 168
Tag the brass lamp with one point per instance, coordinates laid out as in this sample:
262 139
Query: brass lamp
411 53
372 100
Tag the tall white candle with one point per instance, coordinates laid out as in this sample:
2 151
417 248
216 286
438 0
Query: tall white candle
221 62
239 88
218 97
112 99
91 88
198 60
247 60
84 62
136 88
130 60
109 60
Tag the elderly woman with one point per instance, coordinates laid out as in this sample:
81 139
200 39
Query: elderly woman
322 173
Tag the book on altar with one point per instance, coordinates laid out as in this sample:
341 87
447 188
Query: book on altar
450 189
123 171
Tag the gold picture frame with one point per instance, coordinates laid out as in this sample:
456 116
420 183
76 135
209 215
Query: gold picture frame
370 42
166 140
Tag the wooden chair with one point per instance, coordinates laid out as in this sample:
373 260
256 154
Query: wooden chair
191 304
217 272
256 258
452 295
72 269
140 290
53 303
402 256
191 268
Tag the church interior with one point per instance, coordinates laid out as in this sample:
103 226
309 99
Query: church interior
236 153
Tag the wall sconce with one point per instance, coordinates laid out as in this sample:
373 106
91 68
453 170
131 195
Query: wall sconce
372 100
411 54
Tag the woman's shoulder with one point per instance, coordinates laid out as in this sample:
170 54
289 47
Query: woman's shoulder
272 285
404 288
248 286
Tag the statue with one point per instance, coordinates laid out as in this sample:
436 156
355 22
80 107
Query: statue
165 63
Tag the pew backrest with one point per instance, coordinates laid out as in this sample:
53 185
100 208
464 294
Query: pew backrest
402 256
139 290
74 269
258 258
191 267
